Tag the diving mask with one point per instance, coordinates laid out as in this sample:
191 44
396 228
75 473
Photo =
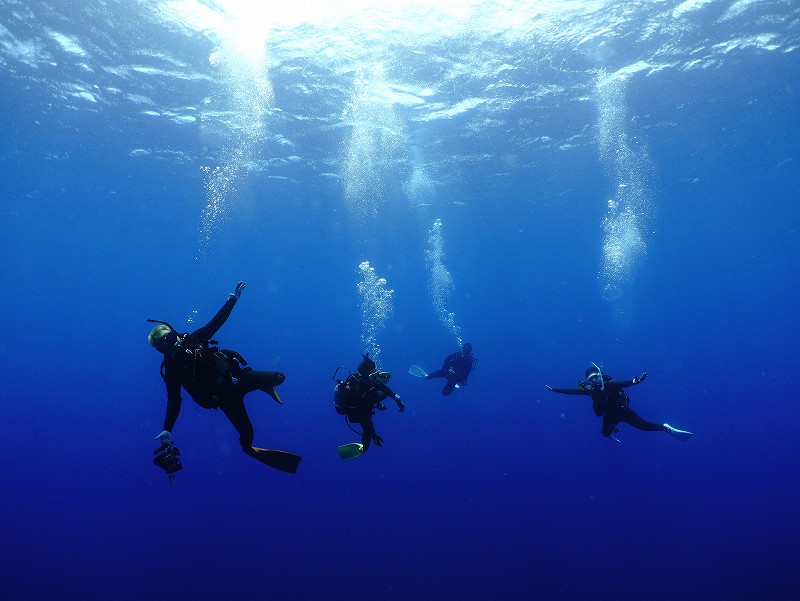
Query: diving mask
380 376
594 379
167 341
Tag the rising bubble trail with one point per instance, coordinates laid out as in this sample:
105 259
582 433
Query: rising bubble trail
627 164
376 308
441 282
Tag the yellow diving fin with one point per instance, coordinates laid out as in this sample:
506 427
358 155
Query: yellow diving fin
352 450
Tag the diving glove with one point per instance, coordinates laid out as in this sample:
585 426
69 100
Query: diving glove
238 291
165 437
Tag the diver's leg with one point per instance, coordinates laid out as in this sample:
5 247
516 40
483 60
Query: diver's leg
234 410
609 423
368 431
629 416
449 387
250 380
439 373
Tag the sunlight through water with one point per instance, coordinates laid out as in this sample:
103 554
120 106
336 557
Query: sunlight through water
419 188
244 95
377 136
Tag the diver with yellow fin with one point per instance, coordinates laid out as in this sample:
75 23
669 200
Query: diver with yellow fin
214 378
356 398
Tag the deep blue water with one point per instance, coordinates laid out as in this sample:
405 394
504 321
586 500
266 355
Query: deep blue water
616 182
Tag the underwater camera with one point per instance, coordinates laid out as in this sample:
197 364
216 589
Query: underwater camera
167 459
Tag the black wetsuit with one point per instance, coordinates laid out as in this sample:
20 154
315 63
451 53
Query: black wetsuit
612 403
461 364
211 390
362 396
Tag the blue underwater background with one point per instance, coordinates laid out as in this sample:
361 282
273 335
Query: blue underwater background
555 182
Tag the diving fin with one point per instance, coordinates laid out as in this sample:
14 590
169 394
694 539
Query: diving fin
279 460
351 451
274 394
417 371
682 435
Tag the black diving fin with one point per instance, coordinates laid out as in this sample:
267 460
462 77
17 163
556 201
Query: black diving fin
279 460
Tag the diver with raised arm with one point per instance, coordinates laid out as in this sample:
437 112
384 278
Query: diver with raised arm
214 378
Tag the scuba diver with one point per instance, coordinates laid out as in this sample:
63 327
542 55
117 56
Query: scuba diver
611 402
456 368
357 397
214 378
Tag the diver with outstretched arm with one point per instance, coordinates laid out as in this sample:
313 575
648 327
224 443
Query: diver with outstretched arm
215 378
611 402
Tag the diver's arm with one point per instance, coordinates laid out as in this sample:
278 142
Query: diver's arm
386 390
580 391
633 382
173 410
207 331
392 395
173 403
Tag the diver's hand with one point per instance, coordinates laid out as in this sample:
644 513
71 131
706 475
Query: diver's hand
238 291
380 407
550 388
165 437
400 404
640 379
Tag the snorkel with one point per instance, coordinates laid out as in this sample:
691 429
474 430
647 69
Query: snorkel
164 323
600 373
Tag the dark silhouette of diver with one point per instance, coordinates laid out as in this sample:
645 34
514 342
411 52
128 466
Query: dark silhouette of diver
215 378
611 402
357 397
456 368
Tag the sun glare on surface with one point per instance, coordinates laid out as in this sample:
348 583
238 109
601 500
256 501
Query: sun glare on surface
292 14
252 19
